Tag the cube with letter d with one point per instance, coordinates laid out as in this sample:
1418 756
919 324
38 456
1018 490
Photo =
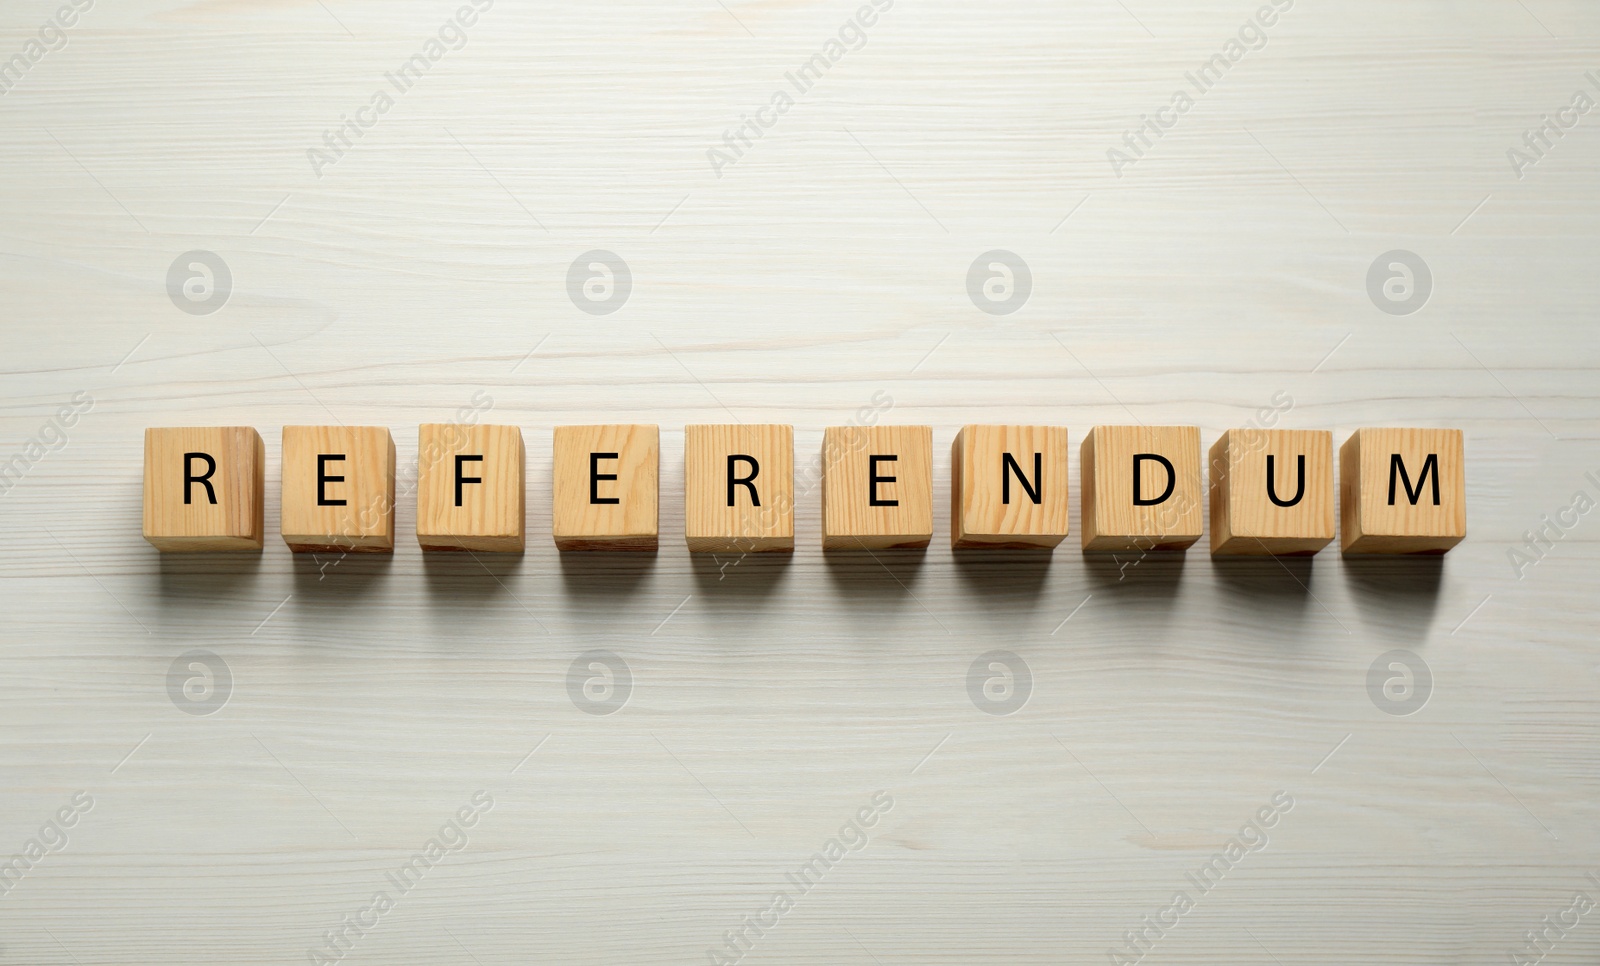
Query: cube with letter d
203 488
1009 487
470 492
877 487
1402 491
738 488
1141 488
606 481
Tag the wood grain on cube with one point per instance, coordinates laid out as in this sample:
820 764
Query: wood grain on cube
204 488
338 489
1271 492
1402 491
738 488
605 481
1165 511
1009 487
877 487
470 488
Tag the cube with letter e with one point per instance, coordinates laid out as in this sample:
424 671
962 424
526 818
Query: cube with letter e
1140 488
203 488
606 487
1402 491
338 489
877 487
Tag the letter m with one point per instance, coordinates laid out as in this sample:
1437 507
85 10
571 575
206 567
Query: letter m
1397 473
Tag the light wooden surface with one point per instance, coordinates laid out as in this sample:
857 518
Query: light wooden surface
822 276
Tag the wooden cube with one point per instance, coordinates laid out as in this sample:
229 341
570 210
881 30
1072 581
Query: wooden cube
1402 491
738 488
470 488
1271 492
877 487
203 488
606 487
1009 487
338 489
1141 488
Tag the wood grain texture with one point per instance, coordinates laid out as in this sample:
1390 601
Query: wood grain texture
877 487
1247 517
1013 505
203 488
822 280
754 515
490 512
606 487
338 493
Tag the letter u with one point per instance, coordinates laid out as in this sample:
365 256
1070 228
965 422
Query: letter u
1300 483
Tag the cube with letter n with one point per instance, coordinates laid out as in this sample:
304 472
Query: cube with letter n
203 488
1009 487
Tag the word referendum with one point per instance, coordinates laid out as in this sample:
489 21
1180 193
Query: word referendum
52 36
452 35
1251 36
1252 837
452 837
852 837
852 35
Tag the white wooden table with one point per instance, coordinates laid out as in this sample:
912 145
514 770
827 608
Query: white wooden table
821 271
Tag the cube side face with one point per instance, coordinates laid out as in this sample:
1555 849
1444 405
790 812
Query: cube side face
993 499
630 481
493 512
750 463
228 467
1172 514
1409 491
850 520
1254 521
314 520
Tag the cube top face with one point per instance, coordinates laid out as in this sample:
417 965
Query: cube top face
470 488
1141 488
1009 487
1402 491
738 488
877 487
606 487
1271 492
338 489
204 488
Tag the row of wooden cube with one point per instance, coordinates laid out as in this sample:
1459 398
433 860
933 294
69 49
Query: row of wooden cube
1271 491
